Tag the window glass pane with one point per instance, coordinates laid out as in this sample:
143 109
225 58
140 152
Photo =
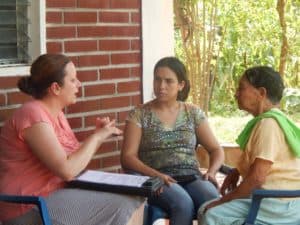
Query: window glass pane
7 16
8 35
14 29
13 2
8 53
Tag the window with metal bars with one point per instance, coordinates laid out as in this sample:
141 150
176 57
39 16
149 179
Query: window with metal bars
14 38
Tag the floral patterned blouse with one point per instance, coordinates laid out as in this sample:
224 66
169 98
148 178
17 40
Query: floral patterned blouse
170 150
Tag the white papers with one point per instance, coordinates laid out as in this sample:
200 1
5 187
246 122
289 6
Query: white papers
112 178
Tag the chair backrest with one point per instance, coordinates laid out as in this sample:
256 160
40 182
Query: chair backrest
36 200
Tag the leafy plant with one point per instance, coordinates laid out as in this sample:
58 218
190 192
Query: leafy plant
249 34
290 102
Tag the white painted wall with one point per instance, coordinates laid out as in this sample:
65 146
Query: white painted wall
157 38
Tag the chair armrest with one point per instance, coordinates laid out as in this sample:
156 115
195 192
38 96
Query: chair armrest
277 193
35 200
259 194
19 199
225 169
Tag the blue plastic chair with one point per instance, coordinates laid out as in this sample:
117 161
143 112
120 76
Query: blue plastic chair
259 194
35 200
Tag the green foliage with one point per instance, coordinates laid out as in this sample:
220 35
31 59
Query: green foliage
291 101
250 35
228 128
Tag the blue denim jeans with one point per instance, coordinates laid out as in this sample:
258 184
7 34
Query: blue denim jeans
181 200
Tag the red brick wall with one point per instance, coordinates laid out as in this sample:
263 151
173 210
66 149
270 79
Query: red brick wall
103 39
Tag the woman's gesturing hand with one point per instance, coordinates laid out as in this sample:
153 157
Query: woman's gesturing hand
102 121
107 127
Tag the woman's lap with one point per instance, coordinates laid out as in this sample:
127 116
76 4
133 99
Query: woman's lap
78 207
272 211
84 207
181 201
201 191
176 202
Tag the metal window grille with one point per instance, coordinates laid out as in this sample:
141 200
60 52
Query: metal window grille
14 36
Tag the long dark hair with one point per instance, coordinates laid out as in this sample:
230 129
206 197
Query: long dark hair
45 70
179 69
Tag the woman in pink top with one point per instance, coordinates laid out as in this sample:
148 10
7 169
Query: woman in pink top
39 153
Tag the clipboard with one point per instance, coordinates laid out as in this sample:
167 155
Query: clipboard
116 182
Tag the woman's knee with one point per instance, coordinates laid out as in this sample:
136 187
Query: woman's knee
183 212
204 216
201 191
181 199
174 198
185 205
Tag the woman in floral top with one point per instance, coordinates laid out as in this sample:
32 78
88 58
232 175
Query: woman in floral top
160 140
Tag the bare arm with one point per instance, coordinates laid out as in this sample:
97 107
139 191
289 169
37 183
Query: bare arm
216 154
43 141
129 153
254 179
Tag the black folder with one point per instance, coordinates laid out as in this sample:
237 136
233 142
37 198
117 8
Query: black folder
117 182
